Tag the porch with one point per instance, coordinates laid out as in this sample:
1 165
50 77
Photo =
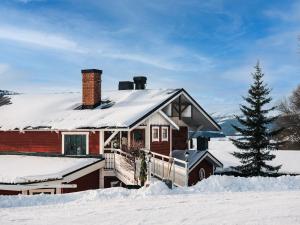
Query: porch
163 167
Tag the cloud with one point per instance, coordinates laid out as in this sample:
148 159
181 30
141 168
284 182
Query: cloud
3 69
289 15
28 1
39 39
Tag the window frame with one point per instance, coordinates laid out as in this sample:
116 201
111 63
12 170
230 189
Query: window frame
49 191
158 134
202 174
76 133
162 132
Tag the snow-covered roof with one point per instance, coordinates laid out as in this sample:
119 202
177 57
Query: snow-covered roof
222 148
57 111
25 169
194 156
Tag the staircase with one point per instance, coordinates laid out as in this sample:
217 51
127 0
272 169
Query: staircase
162 167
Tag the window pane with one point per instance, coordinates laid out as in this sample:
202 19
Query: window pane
75 144
155 133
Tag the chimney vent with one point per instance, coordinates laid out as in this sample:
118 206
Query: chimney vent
91 88
126 85
140 82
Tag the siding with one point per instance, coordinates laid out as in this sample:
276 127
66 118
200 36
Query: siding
94 143
87 182
161 147
180 138
194 174
4 192
40 142
30 141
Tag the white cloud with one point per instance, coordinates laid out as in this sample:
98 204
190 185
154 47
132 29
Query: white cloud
291 15
3 69
39 39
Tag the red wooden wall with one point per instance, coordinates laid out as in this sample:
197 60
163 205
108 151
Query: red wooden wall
40 141
30 141
87 182
194 174
94 143
161 147
180 138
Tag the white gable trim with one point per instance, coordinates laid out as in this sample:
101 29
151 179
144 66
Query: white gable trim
207 154
171 100
174 125
200 110
164 105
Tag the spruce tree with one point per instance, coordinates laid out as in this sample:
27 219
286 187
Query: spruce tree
255 142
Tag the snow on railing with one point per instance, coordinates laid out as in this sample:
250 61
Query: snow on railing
169 168
161 166
116 159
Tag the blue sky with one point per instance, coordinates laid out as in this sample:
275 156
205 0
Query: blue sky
207 47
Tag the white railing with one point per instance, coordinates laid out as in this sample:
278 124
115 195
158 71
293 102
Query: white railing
162 167
168 168
117 160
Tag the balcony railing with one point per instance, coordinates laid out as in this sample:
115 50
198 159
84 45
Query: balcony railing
161 166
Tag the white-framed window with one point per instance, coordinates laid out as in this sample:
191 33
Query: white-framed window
165 133
201 174
75 143
155 133
41 191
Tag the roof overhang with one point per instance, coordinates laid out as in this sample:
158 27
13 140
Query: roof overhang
180 92
208 156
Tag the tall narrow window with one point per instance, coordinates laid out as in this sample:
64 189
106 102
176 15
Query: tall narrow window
165 133
201 174
155 134
75 144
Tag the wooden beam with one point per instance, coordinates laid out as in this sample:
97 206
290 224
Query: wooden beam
179 105
111 137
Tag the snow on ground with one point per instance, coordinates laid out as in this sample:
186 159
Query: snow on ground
222 148
38 168
217 200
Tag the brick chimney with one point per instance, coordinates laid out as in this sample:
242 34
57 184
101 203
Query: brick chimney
91 88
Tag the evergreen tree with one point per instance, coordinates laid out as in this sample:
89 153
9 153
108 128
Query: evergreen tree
255 144
143 169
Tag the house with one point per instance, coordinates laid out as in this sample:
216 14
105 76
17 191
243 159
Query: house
93 133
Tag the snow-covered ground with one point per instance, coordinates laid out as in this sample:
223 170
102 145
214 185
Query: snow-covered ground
222 148
216 200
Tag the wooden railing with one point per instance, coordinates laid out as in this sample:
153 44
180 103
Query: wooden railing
168 168
117 160
161 166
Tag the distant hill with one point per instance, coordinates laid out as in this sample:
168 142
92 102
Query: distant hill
226 123
5 92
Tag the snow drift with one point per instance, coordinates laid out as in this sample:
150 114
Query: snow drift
212 184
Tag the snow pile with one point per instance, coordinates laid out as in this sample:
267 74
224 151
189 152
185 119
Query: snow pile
38 168
242 184
214 184
222 148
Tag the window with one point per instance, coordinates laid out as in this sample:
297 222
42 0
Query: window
41 191
201 174
75 144
165 133
138 135
155 133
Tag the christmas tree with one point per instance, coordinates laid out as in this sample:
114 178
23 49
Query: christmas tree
255 143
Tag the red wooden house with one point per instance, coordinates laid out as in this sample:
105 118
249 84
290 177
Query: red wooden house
64 142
